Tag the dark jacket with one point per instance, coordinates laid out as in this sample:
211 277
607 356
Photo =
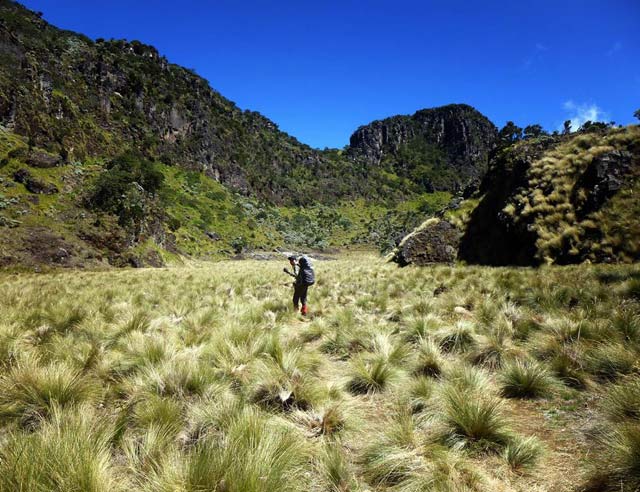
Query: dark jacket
305 274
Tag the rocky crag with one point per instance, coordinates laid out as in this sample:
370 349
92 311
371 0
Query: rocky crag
443 148
554 199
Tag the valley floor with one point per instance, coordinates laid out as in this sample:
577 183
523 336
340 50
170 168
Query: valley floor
202 378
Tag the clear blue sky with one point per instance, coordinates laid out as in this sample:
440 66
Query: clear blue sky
319 69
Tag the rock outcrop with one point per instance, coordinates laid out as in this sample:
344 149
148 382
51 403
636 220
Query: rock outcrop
435 241
443 148
559 200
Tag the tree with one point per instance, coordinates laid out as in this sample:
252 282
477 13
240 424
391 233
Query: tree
510 133
125 187
593 126
566 127
637 114
534 131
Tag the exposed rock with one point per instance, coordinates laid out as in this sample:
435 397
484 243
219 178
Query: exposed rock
34 185
603 178
45 247
440 148
214 236
435 241
42 160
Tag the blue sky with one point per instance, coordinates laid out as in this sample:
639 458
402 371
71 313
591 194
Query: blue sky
319 69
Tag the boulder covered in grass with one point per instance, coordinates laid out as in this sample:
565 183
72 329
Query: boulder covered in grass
435 241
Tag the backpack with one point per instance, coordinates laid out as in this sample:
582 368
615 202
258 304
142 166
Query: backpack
306 275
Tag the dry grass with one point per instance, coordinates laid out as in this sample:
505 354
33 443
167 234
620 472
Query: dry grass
201 378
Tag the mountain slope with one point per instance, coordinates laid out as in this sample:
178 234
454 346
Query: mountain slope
108 152
79 98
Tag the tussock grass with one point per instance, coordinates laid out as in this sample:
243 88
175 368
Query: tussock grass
69 452
472 420
429 360
30 391
622 402
525 379
371 374
252 455
458 338
523 453
202 378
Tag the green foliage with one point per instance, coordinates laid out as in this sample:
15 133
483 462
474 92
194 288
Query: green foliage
125 187
509 134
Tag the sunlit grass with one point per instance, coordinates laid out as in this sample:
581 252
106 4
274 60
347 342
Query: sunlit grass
202 377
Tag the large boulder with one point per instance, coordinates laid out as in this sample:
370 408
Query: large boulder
34 185
435 241
43 160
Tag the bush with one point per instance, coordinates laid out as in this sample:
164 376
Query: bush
525 380
125 185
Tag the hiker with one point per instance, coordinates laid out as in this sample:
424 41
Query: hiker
304 275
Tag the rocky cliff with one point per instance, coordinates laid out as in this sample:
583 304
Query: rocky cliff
443 148
554 199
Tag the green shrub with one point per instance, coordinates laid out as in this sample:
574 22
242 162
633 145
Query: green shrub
124 186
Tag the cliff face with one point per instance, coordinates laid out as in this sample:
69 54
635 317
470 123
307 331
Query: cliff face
443 148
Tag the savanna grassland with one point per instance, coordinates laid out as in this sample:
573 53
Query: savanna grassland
202 378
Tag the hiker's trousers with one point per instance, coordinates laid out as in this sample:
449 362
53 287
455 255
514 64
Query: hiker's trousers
300 295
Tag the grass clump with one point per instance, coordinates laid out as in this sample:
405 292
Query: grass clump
609 361
370 375
29 391
622 402
523 453
68 453
429 360
525 379
252 455
472 420
458 338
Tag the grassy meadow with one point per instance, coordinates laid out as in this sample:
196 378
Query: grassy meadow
202 378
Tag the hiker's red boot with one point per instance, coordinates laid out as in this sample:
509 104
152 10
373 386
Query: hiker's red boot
304 310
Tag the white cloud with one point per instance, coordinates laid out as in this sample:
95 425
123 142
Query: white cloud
541 47
581 113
